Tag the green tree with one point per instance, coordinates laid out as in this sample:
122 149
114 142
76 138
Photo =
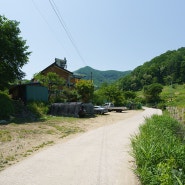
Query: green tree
70 95
85 89
152 92
13 52
52 81
129 95
157 70
113 94
99 97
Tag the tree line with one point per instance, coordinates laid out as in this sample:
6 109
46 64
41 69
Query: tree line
165 69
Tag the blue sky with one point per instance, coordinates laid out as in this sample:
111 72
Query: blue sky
109 34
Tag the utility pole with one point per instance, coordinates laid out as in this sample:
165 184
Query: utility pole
91 76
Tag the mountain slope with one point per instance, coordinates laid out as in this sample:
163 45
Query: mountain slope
100 77
165 69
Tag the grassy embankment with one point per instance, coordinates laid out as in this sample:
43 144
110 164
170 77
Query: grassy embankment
159 149
174 95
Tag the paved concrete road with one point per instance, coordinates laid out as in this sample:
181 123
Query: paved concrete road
98 157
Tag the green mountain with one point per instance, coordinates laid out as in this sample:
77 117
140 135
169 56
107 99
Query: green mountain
167 68
100 77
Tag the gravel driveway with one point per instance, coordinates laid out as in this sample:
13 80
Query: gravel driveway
98 157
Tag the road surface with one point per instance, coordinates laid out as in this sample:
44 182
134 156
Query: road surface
98 157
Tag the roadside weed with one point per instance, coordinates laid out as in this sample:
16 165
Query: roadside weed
159 151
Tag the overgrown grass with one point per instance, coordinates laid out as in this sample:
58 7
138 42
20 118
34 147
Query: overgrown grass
174 95
40 109
159 151
171 95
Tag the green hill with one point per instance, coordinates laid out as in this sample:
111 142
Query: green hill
165 69
100 77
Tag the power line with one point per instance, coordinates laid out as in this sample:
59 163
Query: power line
64 26
51 29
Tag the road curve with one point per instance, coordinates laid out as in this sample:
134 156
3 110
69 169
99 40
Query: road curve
98 157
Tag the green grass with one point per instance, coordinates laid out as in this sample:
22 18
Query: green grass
29 152
159 151
10 158
43 145
5 136
64 130
61 119
23 133
69 126
171 95
174 95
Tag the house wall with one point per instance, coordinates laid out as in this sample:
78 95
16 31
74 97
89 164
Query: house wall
74 80
36 93
62 73
29 92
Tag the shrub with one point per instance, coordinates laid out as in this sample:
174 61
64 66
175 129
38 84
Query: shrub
152 93
38 108
6 106
161 105
159 151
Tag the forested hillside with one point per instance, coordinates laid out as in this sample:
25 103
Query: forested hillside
164 69
100 77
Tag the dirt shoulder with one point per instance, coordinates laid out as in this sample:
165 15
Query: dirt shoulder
18 141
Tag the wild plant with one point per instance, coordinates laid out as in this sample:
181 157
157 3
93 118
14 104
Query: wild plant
159 151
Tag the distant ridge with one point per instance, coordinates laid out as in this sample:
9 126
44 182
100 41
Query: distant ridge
100 77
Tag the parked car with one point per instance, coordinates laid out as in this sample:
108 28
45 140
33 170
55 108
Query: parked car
100 110
111 107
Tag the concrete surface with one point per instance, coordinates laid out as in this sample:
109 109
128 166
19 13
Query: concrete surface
98 157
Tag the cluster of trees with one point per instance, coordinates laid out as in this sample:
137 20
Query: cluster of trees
84 91
59 92
112 93
164 69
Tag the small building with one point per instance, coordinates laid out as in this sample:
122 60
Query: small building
29 92
60 68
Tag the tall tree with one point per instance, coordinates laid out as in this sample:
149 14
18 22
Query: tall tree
152 92
85 89
112 93
13 52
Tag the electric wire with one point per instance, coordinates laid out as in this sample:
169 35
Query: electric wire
64 26
51 29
